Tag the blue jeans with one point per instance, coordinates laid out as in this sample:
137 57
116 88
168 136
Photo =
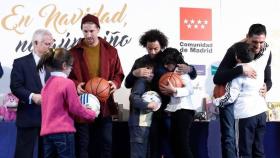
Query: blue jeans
139 137
61 144
227 124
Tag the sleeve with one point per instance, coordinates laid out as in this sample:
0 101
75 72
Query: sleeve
1 70
17 82
267 73
75 106
118 74
135 97
227 70
233 89
73 77
76 66
130 78
187 89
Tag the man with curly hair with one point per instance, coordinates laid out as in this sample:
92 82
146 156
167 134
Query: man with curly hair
155 41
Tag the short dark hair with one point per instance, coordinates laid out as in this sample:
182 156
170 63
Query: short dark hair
242 52
256 29
172 56
152 36
144 62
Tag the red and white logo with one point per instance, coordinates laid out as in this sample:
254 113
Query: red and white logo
195 24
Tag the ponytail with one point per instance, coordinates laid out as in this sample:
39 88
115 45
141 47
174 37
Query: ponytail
54 58
46 60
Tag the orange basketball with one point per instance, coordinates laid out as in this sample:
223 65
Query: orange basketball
98 87
173 77
219 90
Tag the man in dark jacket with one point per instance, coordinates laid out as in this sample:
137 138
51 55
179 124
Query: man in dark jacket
155 41
26 85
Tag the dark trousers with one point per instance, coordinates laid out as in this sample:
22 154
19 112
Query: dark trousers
27 138
160 136
251 135
181 122
139 138
81 140
101 138
61 145
227 125
94 140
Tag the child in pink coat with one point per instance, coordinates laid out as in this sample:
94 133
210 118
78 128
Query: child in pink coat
60 105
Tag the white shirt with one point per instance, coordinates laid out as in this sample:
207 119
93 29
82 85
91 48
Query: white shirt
42 74
182 99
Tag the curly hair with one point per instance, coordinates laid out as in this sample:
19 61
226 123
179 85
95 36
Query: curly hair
152 36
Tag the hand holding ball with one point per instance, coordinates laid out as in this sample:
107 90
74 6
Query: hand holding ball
98 87
150 96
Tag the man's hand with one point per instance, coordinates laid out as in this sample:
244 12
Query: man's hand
263 90
37 98
113 87
249 71
143 72
183 69
80 89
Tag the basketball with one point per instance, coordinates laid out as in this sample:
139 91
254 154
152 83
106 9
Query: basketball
150 96
99 87
173 77
219 90
91 102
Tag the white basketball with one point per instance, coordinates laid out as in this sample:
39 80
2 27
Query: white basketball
150 96
91 102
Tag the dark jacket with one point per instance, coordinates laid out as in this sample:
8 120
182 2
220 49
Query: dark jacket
130 79
159 70
227 70
25 80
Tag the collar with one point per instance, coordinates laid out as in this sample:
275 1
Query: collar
36 57
58 74
261 51
80 44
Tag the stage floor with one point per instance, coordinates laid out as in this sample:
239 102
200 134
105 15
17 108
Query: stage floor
205 139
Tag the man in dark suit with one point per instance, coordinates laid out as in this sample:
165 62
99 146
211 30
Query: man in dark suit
26 84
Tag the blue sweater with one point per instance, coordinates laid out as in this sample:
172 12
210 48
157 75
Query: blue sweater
138 106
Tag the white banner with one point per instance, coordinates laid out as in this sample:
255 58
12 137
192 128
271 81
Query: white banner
195 27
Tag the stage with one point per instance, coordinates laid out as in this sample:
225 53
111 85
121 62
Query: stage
205 139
